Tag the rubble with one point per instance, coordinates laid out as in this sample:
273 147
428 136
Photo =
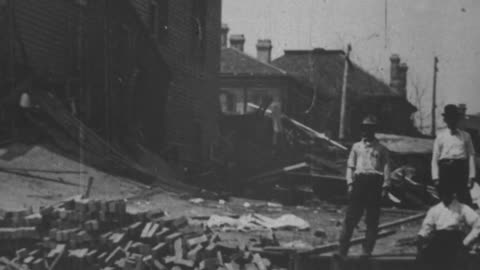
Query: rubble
196 200
99 234
256 222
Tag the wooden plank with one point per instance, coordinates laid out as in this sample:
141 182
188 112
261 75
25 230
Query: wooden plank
11 264
277 171
37 177
402 221
89 187
332 246
305 128
61 251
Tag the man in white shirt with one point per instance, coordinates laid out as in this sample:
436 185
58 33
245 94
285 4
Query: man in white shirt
447 232
368 175
453 158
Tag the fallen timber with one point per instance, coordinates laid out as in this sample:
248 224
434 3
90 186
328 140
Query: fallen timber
305 128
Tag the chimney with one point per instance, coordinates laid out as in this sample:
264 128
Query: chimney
237 42
224 35
264 50
402 76
398 74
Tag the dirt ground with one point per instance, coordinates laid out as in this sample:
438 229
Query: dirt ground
18 192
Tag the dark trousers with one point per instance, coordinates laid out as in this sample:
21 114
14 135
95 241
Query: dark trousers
444 252
366 197
453 178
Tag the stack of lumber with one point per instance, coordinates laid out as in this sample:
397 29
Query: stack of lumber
99 234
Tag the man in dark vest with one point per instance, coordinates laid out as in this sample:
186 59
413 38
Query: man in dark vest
453 158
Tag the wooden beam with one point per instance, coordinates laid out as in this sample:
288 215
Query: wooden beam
333 246
278 171
305 128
28 175
89 187
402 221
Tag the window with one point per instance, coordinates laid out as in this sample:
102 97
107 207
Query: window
227 102
158 20
263 97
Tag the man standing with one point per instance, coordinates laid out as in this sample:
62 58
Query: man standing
367 179
453 159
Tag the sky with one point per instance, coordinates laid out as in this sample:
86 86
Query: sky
417 30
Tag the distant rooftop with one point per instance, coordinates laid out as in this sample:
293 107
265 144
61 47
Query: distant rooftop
324 69
236 62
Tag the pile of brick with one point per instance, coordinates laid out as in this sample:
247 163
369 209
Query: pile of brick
94 234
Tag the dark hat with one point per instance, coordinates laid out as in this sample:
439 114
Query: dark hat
370 120
451 111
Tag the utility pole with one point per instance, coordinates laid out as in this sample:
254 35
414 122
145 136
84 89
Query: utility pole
434 96
106 60
343 105
386 24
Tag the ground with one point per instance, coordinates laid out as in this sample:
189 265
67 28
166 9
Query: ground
19 192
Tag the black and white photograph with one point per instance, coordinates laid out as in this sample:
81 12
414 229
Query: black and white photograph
239 135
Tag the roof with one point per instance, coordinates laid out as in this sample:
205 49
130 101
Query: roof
406 145
325 68
236 62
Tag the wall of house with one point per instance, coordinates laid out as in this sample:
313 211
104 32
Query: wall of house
163 82
193 56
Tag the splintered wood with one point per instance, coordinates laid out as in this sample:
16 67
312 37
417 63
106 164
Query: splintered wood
96 234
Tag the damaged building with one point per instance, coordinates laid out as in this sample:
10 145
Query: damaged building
322 72
305 85
139 73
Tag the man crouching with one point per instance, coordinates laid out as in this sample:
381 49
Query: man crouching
447 233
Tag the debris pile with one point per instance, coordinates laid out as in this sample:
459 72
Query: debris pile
97 234
256 222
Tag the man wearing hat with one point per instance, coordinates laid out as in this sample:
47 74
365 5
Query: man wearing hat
367 179
453 158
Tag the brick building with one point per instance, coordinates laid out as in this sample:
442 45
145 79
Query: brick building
135 71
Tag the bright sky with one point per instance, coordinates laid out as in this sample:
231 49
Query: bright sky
416 29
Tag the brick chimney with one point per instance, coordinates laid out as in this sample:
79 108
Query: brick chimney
398 75
237 42
394 71
224 35
402 74
264 50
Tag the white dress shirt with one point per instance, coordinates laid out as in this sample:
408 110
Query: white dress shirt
453 145
455 217
368 157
